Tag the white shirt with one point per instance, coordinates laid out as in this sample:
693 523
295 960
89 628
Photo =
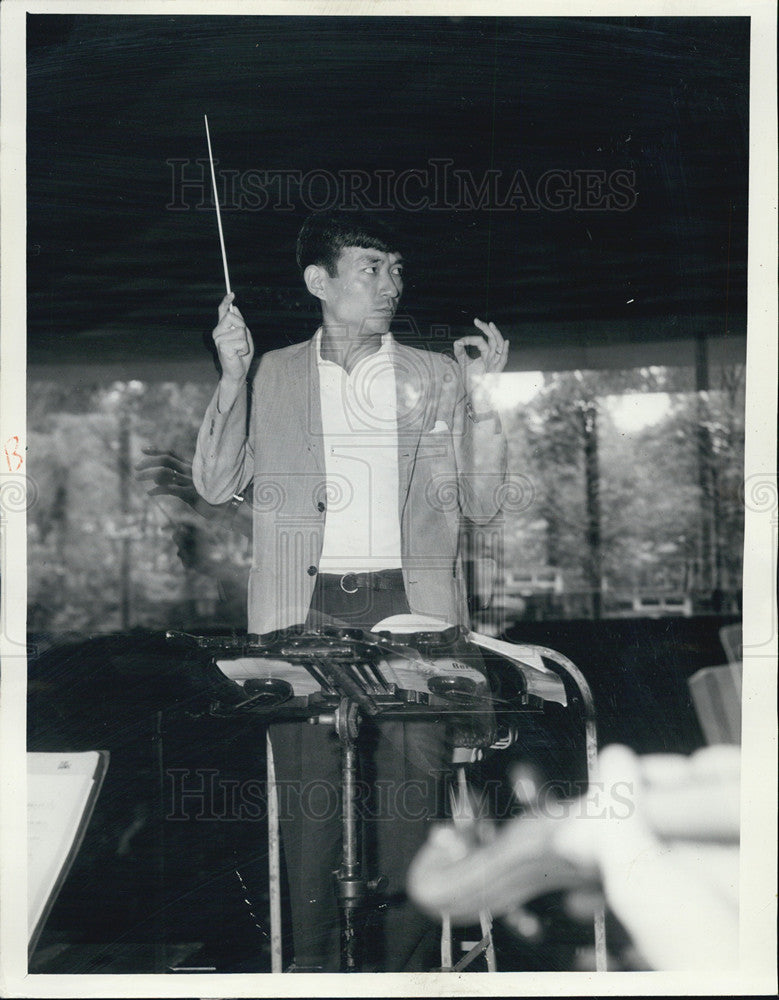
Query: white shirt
360 443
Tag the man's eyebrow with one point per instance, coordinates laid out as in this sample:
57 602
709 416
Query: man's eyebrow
374 259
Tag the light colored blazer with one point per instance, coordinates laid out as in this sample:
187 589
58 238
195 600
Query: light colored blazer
444 474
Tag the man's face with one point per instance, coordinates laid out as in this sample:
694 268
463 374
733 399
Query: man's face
364 294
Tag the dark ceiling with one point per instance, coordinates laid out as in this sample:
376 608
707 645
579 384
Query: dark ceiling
652 112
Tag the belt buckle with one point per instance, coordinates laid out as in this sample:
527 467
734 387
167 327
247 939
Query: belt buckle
344 578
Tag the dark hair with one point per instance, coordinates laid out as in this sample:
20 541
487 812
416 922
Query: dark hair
324 235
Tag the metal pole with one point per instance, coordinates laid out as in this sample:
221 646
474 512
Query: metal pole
350 864
274 866
485 922
591 751
446 943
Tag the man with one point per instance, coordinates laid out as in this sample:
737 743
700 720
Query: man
365 455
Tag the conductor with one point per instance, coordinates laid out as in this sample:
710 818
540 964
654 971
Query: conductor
366 456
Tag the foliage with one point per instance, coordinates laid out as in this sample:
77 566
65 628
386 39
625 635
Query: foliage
103 555
663 490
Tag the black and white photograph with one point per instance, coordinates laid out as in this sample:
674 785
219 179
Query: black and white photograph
388 504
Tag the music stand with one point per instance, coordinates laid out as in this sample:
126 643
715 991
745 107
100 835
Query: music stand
349 668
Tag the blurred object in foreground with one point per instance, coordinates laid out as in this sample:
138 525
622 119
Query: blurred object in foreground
658 834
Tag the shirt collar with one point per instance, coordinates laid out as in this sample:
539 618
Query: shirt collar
387 342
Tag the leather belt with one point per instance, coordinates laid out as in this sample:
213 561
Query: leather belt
350 583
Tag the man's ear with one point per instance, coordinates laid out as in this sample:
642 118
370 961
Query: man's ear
314 277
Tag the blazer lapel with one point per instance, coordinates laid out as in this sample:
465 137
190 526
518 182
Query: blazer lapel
303 373
412 391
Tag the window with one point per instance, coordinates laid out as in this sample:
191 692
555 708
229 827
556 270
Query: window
627 502
630 493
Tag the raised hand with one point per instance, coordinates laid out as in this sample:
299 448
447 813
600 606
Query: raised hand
172 476
493 353
233 340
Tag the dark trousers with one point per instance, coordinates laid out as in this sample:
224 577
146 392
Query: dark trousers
400 790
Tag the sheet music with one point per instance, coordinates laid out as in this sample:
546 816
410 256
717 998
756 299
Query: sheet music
716 697
61 788
541 681
409 670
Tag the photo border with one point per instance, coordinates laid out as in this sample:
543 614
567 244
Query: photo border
758 879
